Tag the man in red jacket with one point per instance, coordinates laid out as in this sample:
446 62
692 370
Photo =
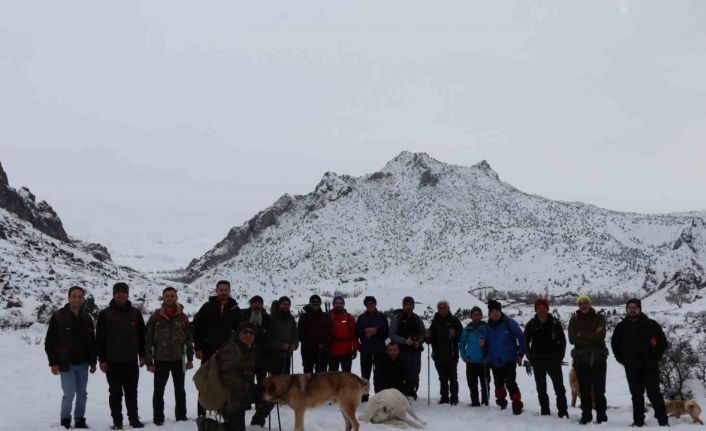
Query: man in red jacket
344 343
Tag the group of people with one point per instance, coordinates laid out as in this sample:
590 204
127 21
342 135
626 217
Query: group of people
248 344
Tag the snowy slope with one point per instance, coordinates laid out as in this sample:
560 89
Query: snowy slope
420 225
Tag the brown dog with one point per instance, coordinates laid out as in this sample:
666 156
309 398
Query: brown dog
304 391
676 408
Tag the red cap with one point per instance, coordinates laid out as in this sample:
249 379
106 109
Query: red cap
541 301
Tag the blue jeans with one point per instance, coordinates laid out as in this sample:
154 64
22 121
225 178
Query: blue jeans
73 383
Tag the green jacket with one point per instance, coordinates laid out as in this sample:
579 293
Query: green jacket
168 339
236 367
587 333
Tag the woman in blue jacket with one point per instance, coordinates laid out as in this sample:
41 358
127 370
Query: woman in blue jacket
473 355
505 345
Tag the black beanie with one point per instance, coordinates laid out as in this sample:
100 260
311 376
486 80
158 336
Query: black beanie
369 299
478 309
257 298
245 325
285 299
408 300
313 297
494 305
634 301
120 287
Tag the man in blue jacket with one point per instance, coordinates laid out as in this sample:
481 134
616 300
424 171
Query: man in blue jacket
372 330
474 356
506 347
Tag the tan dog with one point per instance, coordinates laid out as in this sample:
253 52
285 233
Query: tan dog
304 391
676 408
575 388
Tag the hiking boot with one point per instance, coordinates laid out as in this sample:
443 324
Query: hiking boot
545 412
585 421
258 420
517 407
182 419
600 418
80 423
158 422
117 425
663 422
135 423
564 414
637 424
444 400
66 423
453 400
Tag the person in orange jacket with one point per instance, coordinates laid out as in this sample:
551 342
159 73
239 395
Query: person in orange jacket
344 344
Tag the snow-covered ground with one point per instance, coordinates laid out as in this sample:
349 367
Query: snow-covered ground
32 397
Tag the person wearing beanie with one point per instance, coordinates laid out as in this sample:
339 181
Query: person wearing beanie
167 339
120 340
344 343
257 317
583 298
70 345
315 333
408 331
638 343
372 330
284 338
443 336
236 362
505 345
473 354
587 331
545 344
214 324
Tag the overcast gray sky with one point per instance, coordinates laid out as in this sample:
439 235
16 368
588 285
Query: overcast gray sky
172 120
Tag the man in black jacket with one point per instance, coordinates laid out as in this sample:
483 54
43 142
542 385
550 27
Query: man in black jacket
392 372
638 343
214 324
260 321
315 333
408 332
545 345
71 349
120 336
443 335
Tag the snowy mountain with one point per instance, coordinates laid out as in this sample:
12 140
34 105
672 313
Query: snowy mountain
39 262
424 226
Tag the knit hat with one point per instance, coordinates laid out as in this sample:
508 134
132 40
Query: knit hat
285 299
541 301
478 309
120 287
408 300
314 297
634 301
494 305
370 299
583 297
339 298
245 325
257 298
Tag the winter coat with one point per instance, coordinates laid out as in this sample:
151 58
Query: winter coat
444 346
391 374
120 333
504 341
70 339
314 329
404 326
261 334
545 341
168 338
344 341
214 325
282 329
376 343
469 346
638 342
587 334
236 366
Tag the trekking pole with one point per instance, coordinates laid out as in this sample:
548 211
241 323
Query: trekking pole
269 421
279 421
428 376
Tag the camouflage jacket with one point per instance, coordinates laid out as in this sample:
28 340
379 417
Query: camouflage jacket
168 339
236 367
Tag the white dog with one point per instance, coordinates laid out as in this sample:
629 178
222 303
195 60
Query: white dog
390 407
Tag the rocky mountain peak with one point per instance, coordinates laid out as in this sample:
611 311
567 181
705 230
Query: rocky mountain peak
3 177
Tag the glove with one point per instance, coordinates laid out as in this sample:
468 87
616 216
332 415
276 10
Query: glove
528 367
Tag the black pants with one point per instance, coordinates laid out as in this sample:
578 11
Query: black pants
505 377
412 359
641 378
280 362
161 375
313 360
477 374
591 385
448 378
235 421
122 380
344 362
542 369
368 361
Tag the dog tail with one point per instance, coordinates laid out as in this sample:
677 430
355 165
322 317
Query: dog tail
694 410
364 385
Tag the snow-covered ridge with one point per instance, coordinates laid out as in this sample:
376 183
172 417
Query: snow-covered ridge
422 224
